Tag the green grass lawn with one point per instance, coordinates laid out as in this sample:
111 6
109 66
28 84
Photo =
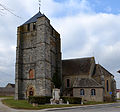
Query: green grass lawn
6 96
23 104
93 103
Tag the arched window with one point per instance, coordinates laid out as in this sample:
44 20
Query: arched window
107 85
28 27
93 92
31 74
30 91
82 92
34 26
68 83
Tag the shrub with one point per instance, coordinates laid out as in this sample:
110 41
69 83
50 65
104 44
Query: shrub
107 99
72 100
39 99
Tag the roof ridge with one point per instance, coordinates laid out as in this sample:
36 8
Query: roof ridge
79 58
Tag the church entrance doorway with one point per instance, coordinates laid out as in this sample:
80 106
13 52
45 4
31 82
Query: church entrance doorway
30 91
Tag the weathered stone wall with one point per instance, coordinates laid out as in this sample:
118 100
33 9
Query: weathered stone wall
113 90
92 68
39 51
72 79
102 76
87 96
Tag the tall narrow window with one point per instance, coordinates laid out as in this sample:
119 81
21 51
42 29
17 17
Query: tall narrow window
82 92
68 83
28 27
107 86
34 26
93 92
31 74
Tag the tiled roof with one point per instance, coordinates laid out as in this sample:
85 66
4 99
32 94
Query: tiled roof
12 85
79 66
34 18
86 82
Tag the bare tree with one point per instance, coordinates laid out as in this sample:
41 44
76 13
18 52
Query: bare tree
3 9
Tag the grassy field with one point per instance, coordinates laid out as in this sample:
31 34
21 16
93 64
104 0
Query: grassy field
23 104
6 96
93 103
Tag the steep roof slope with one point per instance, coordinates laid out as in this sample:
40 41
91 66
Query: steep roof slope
79 66
86 83
34 18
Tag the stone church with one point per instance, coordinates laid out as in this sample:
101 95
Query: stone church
38 58
88 80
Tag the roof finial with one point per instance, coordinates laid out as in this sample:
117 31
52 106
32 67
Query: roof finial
39 4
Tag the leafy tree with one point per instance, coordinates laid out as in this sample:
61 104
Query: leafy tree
56 79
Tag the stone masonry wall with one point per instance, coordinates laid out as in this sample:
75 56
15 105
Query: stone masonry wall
88 97
37 51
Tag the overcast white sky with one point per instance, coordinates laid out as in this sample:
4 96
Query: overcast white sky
87 27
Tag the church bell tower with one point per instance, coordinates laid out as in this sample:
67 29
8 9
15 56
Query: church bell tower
38 57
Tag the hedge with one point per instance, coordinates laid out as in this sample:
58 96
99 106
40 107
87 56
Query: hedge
39 99
72 100
107 99
46 99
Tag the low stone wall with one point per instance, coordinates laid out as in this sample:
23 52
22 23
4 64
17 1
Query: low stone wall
7 91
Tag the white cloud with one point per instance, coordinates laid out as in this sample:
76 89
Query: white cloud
91 34
69 7
83 32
